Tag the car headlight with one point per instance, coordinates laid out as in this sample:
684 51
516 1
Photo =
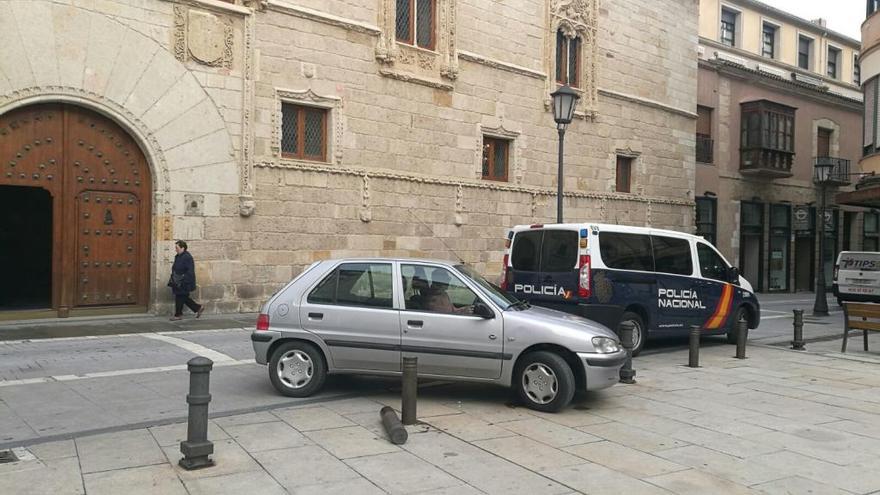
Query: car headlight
605 345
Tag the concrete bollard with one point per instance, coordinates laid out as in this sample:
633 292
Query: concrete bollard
694 354
627 374
396 431
798 342
742 336
196 449
409 390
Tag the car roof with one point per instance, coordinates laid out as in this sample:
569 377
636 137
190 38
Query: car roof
605 227
391 259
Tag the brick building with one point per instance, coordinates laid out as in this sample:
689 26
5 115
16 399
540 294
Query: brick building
273 133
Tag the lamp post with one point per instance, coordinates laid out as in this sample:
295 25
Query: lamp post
823 174
564 101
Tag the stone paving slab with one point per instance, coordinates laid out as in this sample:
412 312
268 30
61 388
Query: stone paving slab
727 427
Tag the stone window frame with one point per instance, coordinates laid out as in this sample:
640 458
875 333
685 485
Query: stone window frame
514 151
575 18
834 142
411 63
334 122
636 166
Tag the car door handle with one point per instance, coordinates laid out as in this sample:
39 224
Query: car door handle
492 337
316 316
415 323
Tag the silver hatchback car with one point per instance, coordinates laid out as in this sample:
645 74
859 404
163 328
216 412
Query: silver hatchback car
363 315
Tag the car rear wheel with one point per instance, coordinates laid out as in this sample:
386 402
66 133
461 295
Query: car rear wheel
639 333
544 381
297 369
741 315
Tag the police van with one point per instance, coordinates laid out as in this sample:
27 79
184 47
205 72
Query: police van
661 281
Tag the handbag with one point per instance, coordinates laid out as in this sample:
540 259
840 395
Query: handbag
176 280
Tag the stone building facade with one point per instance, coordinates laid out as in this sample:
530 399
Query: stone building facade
224 99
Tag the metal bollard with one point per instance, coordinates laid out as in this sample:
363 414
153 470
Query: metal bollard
409 390
742 336
627 374
694 355
396 431
196 448
798 342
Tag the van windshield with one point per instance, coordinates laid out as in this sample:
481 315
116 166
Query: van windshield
494 292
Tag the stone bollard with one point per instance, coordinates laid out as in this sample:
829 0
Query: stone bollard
396 431
197 448
694 354
627 374
798 342
409 390
742 336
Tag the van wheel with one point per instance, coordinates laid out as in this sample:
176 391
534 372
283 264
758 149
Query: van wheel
741 315
544 381
297 369
639 331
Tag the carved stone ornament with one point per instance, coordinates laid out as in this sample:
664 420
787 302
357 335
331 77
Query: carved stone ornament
421 65
203 37
576 19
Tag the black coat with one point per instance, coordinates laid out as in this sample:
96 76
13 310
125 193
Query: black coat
183 272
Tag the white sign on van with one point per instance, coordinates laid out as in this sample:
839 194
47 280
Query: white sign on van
679 299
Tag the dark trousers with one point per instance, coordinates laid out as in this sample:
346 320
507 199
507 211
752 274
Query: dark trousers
180 300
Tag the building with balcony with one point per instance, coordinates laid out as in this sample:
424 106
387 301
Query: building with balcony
867 190
776 94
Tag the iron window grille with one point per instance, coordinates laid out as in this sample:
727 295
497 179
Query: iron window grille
303 132
416 23
496 159
706 218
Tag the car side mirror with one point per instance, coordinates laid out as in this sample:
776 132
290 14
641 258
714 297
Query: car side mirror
483 311
733 275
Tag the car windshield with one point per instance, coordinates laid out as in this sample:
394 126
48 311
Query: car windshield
497 294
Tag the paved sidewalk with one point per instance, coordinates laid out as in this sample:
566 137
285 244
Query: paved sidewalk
778 422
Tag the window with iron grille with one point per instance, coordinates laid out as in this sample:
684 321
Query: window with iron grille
624 174
706 218
805 49
728 27
833 61
496 158
568 56
857 71
768 46
415 23
303 132
870 127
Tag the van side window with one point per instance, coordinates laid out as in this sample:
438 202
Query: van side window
525 250
626 251
672 255
711 265
356 284
559 251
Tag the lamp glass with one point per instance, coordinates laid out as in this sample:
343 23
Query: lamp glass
564 102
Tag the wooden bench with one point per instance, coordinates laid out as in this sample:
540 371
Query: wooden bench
860 316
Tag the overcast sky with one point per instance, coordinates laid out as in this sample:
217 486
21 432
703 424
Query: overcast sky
843 16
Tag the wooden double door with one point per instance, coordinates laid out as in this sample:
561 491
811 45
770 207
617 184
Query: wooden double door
81 173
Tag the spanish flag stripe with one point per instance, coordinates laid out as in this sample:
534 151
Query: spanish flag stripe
722 310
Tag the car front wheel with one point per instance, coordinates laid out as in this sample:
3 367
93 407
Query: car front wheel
297 369
544 381
639 332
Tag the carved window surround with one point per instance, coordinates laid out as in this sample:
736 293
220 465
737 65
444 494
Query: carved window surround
307 97
411 63
514 157
575 18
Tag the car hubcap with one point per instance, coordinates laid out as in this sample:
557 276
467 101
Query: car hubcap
539 383
295 369
637 334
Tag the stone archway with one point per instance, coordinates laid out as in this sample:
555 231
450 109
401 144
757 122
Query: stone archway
101 189
72 54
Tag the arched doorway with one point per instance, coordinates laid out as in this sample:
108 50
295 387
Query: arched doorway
83 187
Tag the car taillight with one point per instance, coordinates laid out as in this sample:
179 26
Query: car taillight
584 282
505 273
263 322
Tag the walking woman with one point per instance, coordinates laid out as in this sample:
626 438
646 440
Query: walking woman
183 281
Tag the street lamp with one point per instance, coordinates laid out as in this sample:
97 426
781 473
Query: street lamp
564 101
823 174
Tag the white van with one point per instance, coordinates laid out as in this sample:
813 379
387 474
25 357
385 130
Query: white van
857 276
661 281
